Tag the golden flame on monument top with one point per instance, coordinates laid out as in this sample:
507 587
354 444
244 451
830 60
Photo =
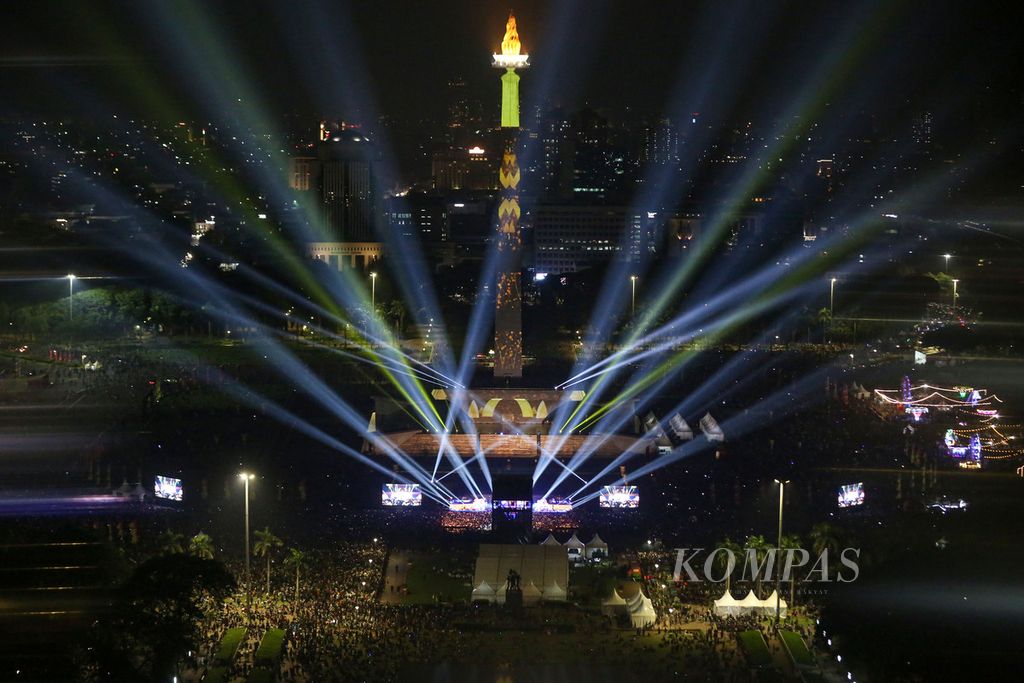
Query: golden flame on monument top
510 57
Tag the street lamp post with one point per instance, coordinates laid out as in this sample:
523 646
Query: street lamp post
954 292
246 477
947 257
831 296
373 290
778 574
632 306
71 297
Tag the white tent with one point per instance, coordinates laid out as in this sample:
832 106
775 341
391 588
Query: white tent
550 540
483 592
613 603
554 593
727 605
769 604
642 613
596 547
531 594
750 601
575 547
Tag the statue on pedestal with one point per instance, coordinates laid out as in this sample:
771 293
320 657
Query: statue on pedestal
512 582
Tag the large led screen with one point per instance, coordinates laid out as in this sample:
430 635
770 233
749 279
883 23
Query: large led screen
167 488
401 495
619 497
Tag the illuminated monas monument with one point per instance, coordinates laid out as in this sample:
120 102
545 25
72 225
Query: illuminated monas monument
508 317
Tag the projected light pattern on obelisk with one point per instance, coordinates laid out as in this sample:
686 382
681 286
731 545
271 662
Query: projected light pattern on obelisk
508 317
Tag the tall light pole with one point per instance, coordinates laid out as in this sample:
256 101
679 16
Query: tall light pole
947 257
71 297
373 291
831 296
954 292
632 307
778 574
246 477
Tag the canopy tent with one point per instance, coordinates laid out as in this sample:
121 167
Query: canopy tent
770 604
613 603
728 606
551 540
483 591
575 548
750 600
642 613
596 547
531 594
554 593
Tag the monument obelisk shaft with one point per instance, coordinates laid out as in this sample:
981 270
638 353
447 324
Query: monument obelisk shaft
508 314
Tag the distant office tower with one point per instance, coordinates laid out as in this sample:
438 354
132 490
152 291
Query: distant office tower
571 237
923 128
464 113
418 215
826 169
508 316
568 238
348 198
660 144
303 173
593 165
555 160
346 185
455 168
458 103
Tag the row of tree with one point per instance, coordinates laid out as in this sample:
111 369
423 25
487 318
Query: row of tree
104 312
265 546
823 536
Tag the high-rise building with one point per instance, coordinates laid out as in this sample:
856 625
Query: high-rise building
420 216
347 191
303 173
572 237
923 128
556 157
568 238
660 144
348 199
592 167
464 113
455 168
508 316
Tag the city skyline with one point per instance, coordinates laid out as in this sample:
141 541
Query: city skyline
454 341
77 49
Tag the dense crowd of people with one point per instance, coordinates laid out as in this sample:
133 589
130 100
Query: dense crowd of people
339 629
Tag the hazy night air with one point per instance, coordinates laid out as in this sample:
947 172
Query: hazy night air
328 356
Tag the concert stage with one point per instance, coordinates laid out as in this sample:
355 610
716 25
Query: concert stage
502 423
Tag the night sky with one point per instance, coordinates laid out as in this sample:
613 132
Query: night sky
731 60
